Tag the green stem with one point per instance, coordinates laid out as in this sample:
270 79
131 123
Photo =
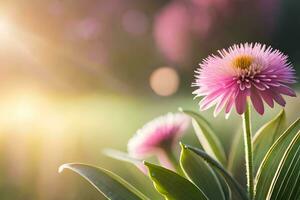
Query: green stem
172 158
248 150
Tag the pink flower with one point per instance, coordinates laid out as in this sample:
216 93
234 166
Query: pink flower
243 71
158 137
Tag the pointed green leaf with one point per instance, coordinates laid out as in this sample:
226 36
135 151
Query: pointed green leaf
271 161
236 188
234 153
225 187
122 156
286 182
110 185
207 137
201 174
173 186
266 136
236 159
125 157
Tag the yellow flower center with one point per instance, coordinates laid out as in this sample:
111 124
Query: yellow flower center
243 62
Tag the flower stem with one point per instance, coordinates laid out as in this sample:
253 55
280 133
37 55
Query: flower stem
173 160
248 150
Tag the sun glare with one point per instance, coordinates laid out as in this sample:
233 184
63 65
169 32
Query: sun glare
6 29
22 110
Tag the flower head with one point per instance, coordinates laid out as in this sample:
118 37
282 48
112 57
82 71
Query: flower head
158 135
242 71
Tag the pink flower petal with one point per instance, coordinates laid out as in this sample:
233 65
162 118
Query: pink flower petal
222 102
286 90
268 98
230 101
257 101
210 99
278 98
240 102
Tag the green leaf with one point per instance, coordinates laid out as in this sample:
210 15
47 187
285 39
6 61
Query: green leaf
236 159
225 187
235 153
236 188
173 186
266 136
201 174
125 157
271 161
110 185
286 183
207 137
122 156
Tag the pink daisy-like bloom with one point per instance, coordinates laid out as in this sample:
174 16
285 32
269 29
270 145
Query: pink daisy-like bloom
158 137
242 71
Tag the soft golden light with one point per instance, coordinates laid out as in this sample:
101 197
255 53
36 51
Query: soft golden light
164 81
6 29
22 110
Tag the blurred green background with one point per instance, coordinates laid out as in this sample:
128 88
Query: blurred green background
78 76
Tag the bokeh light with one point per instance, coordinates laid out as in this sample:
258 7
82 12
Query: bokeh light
164 81
86 29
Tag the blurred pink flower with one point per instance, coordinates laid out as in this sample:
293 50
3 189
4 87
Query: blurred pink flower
242 71
135 22
178 23
172 31
158 137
